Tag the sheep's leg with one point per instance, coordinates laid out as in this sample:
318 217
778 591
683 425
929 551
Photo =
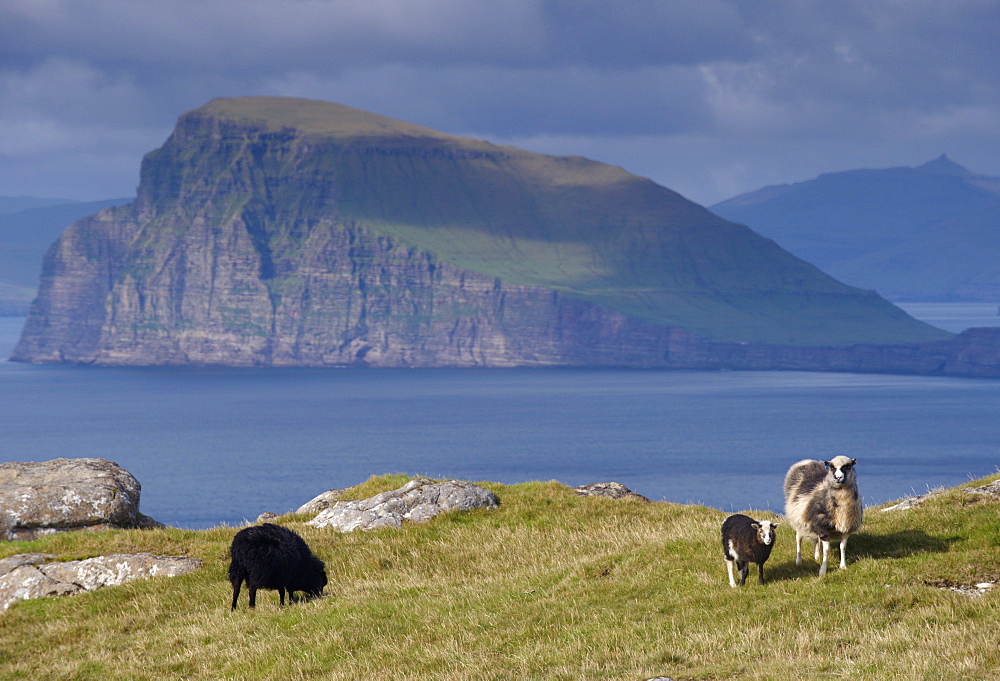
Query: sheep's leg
826 555
843 553
798 548
281 596
729 567
760 573
744 570
236 592
816 550
253 594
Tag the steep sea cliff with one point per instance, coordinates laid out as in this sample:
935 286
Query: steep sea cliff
272 232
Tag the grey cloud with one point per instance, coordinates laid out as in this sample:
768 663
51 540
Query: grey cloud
268 36
645 33
501 102
887 53
273 35
798 86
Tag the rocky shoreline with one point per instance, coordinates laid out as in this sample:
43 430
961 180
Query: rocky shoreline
629 344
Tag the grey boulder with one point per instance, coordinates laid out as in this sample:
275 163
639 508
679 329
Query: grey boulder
322 502
610 490
28 575
38 498
417 501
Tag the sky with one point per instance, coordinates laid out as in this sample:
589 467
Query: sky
711 98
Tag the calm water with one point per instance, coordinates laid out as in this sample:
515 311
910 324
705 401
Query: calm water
954 317
215 446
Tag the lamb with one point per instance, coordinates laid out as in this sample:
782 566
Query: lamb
269 556
745 541
822 503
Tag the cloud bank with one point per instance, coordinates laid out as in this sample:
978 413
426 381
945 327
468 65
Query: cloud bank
708 97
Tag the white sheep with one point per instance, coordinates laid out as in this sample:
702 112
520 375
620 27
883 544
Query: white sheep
745 541
822 503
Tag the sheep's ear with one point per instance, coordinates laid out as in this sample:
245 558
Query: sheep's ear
827 464
775 523
854 462
755 526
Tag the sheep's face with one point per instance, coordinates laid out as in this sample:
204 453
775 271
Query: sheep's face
314 577
317 584
766 532
840 470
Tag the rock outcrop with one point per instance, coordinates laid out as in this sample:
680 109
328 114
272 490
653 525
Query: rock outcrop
323 501
277 232
29 575
609 490
416 501
38 498
990 489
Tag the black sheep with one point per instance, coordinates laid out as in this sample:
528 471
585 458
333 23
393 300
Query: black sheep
745 541
273 557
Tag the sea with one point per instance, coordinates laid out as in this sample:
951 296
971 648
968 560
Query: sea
219 446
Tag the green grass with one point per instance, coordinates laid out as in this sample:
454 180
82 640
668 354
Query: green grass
314 117
551 586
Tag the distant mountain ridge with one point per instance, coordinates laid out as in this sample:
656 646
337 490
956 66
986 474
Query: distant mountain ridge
929 233
286 232
14 204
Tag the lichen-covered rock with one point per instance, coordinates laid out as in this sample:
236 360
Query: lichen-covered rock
323 501
989 489
611 490
38 498
13 562
26 582
118 568
418 501
28 576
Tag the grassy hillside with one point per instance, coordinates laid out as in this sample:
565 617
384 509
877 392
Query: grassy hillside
551 586
586 229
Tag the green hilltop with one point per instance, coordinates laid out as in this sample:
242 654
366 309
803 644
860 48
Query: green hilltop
582 228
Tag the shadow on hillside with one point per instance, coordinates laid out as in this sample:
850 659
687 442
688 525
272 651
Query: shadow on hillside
896 544
861 545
